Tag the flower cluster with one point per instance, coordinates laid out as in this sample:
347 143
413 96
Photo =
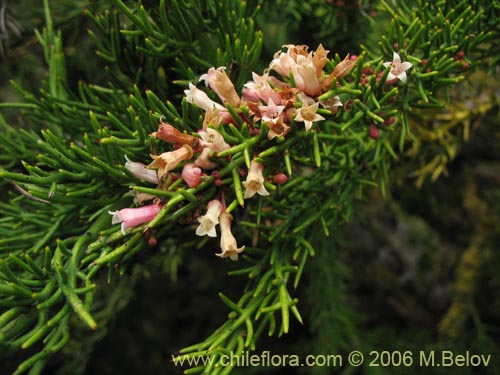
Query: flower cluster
272 105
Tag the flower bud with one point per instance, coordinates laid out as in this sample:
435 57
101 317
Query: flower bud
131 217
280 178
168 133
374 132
191 174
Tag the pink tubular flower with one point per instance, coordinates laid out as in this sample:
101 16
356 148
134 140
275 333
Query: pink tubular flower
282 63
131 217
398 69
260 89
140 171
191 174
307 68
212 139
254 183
307 114
271 111
305 76
210 219
219 82
227 241
169 133
200 99
167 161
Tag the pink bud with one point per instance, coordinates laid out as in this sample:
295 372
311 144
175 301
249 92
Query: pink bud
191 174
131 217
390 121
374 133
280 178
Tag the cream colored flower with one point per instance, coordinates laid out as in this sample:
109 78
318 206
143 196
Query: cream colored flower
228 243
342 69
210 219
212 139
320 59
167 161
277 128
307 114
254 183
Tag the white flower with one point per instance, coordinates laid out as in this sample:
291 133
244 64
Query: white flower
140 171
210 219
398 69
200 99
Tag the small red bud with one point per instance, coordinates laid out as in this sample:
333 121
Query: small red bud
389 121
152 241
374 133
218 182
395 46
465 66
280 178
423 62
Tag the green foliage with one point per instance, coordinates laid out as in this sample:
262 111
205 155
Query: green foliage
65 168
